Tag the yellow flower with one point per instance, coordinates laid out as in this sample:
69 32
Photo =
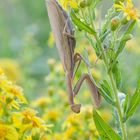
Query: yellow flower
3 82
17 119
68 133
129 10
8 132
42 102
29 113
16 91
1 71
133 46
72 120
71 3
11 95
31 120
51 40
29 138
11 69
52 114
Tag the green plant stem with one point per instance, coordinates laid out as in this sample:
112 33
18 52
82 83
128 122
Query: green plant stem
113 84
124 133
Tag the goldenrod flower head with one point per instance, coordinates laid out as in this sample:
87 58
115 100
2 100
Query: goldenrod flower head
29 138
42 101
129 10
16 91
11 95
17 119
72 120
8 132
52 114
31 120
71 3
133 47
29 113
11 69
1 71
68 133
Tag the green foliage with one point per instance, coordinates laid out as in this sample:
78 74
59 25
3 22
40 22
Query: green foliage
106 92
126 103
105 131
117 75
134 102
108 42
81 25
123 39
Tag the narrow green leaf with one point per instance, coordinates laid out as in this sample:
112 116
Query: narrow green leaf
104 35
81 25
117 74
134 102
106 88
106 96
105 131
123 42
93 44
126 102
93 14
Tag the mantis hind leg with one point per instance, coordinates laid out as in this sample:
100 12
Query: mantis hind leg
93 88
74 107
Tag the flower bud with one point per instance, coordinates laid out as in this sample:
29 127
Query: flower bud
124 20
118 1
127 37
83 4
76 10
115 22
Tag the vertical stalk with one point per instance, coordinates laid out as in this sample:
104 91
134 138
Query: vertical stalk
124 134
113 84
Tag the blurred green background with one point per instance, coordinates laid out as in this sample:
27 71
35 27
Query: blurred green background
24 49
24 32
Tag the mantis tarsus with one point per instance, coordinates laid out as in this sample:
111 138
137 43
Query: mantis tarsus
65 42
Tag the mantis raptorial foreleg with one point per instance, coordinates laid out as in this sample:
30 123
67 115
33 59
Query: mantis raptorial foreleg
74 92
75 107
69 78
93 88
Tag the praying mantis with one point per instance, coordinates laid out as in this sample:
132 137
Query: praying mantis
65 42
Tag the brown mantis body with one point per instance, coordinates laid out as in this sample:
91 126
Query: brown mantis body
65 42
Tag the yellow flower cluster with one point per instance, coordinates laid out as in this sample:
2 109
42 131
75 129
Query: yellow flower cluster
71 3
11 68
16 120
129 10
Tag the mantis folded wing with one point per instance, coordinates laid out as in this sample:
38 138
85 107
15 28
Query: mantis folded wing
65 42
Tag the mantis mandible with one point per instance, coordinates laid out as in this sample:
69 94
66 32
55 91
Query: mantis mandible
65 43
